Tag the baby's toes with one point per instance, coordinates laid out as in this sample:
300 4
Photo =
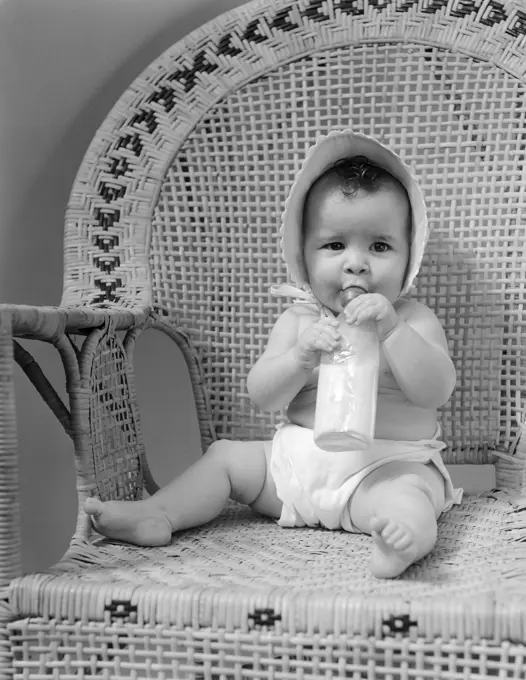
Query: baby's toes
395 532
396 536
403 540
390 531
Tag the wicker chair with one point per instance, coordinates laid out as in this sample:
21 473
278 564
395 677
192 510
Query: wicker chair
173 224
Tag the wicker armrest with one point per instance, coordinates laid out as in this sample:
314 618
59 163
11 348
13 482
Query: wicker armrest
100 415
47 323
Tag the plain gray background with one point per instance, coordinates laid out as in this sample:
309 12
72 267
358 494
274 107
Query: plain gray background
63 64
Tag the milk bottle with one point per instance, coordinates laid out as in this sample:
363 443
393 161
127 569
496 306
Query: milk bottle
347 387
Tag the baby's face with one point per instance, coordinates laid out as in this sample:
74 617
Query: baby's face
360 240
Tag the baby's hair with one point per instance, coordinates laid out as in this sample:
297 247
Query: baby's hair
359 173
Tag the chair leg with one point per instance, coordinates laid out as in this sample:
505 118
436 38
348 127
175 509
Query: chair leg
10 531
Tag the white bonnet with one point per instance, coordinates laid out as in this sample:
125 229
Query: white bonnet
323 155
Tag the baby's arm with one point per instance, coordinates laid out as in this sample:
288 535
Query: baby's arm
290 355
417 353
414 345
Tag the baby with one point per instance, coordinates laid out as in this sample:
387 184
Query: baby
354 218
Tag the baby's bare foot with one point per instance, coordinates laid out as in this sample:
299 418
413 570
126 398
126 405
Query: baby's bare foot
132 521
395 548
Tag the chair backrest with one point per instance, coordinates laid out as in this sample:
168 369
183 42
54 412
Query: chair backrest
177 205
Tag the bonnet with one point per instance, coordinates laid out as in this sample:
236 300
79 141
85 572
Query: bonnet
327 150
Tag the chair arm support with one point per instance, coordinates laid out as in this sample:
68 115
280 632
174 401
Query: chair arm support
49 323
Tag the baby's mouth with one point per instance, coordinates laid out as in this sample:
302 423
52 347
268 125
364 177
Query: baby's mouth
350 293
356 290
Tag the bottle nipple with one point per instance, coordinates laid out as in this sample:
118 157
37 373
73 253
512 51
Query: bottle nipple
350 294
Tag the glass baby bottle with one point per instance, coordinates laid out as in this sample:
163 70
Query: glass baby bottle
347 387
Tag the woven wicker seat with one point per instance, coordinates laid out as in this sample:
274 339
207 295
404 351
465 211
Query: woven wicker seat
172 224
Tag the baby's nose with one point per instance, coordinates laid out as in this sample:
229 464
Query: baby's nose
356 262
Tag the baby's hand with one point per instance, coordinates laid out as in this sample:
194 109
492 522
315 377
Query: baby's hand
322 336
372 307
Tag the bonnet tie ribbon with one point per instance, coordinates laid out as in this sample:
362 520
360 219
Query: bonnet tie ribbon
301 296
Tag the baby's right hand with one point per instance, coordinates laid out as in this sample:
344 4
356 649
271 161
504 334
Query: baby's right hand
321 336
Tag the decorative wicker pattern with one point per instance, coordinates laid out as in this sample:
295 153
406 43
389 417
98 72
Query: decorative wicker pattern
218 654
105 257
210 137
244 594
247 555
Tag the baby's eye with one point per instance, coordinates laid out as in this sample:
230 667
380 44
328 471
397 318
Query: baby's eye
380 247
334 245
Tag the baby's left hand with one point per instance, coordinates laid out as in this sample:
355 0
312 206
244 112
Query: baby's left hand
375 307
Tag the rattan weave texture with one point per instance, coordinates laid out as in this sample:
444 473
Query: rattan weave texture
214 225
246 561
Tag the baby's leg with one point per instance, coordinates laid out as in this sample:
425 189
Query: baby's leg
229 469
398 504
